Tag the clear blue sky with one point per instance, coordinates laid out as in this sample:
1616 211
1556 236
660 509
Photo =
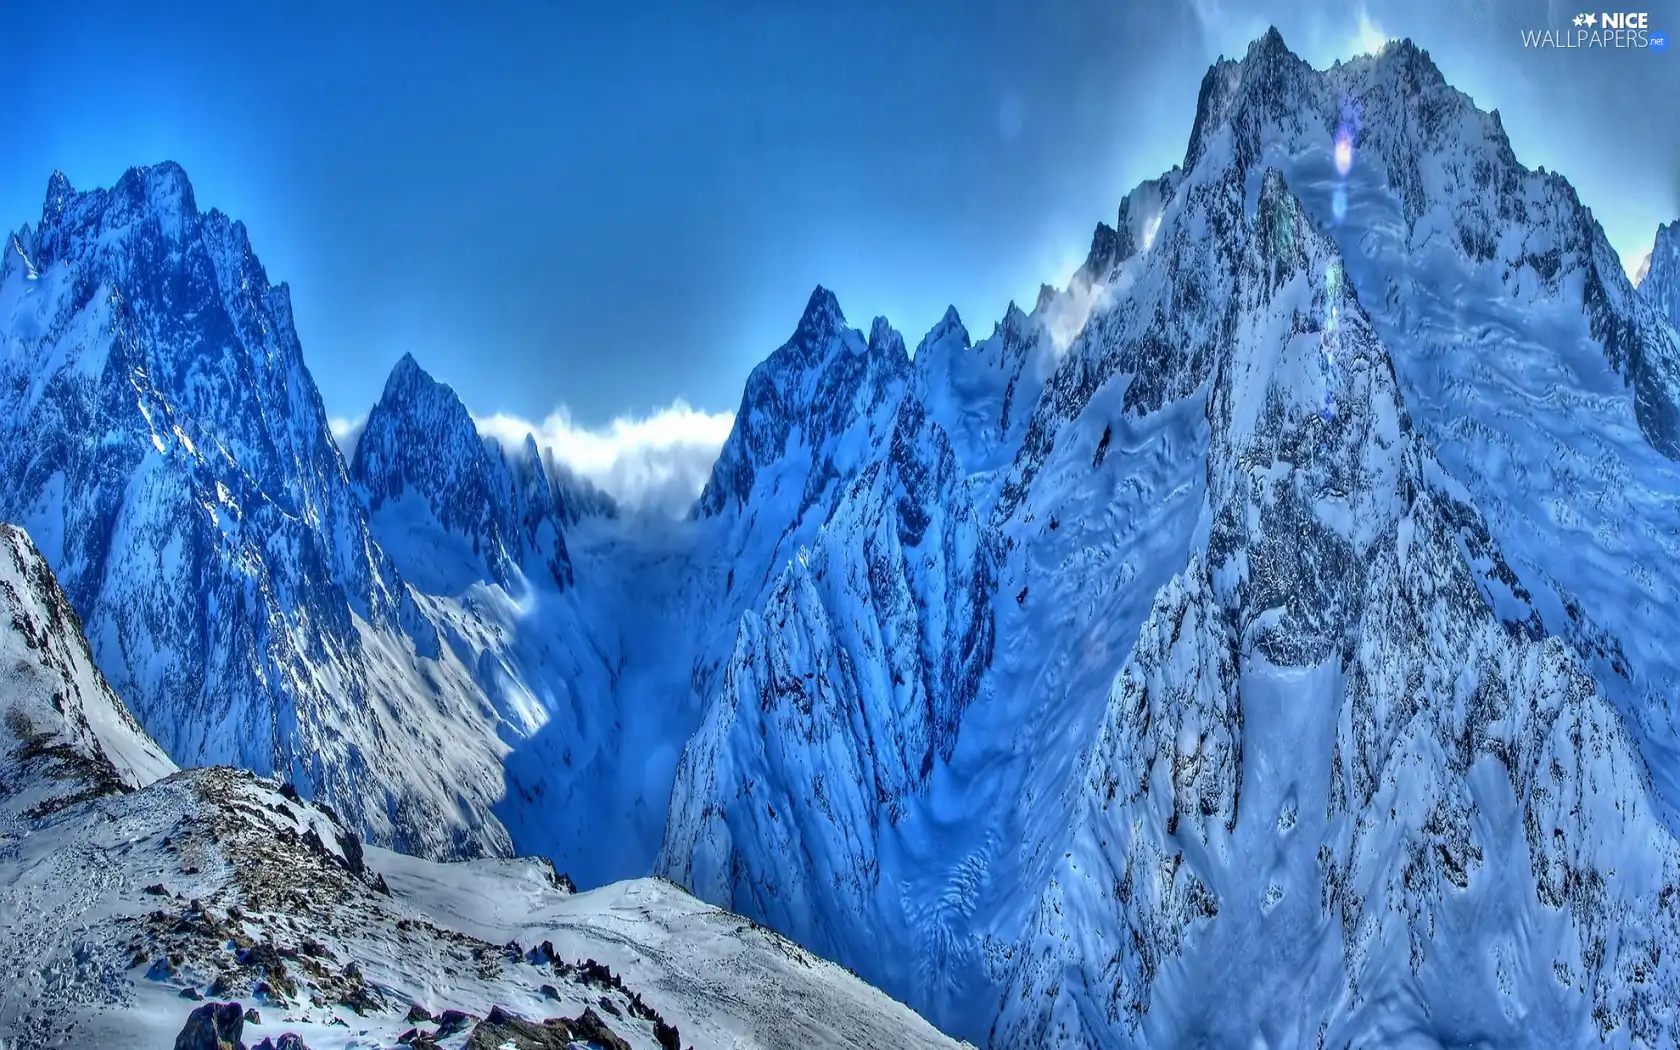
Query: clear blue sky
611 207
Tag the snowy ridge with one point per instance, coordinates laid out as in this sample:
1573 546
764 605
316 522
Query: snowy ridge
121 913
128 899
838 700
1192 658
65 735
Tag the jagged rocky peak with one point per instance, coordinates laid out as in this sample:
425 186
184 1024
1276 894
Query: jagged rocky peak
1106 253
822 318
158 197
817 386
949 330
1660 284
884 339
1133 231
418 434
421 442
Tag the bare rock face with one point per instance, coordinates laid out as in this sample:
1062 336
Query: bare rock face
213 1026
502 1030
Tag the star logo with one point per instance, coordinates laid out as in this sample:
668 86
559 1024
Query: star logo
1580 20
1592 20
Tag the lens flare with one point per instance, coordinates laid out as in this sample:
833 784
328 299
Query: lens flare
1338 203
1344 152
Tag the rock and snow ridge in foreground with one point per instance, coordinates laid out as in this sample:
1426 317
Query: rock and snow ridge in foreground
132 891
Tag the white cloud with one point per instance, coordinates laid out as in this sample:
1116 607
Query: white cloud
347 432
657 463
1369 37
1640 270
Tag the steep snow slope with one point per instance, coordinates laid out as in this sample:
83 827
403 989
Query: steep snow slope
66 737
1335 798
576 626
1520 346
1206 621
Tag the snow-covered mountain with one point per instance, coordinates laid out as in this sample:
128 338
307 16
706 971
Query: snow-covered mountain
1266 633
66 737
1224 723
168 450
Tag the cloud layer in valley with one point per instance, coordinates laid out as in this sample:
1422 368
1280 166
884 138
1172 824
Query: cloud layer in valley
656 463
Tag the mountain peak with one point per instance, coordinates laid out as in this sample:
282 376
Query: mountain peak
822 316
1269 43
59 191
1104 253
949 327
164 188
408 381
884 339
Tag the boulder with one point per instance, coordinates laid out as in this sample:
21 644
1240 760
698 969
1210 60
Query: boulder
213 1026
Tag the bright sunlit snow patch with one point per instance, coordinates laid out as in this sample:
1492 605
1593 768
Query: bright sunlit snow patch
1150 227
657 462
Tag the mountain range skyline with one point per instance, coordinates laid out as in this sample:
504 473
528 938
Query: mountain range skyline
1264 629
367 241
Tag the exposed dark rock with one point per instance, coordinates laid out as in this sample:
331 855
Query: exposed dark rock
451 1022
213 1026
289 1041
591 1028
252 1017
418 1014
667 1035
502 1029
351 846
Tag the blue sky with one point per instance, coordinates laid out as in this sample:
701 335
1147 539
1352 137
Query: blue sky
604 209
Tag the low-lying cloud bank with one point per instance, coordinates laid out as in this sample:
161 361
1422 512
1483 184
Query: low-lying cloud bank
656 463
